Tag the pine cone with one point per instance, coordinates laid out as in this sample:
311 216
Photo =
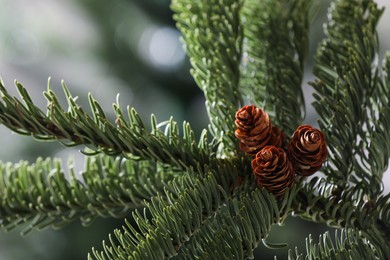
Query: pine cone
254 129
273 170
307 150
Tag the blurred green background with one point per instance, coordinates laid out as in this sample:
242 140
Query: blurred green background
110 47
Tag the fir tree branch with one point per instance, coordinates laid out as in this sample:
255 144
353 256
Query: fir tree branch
212 34
174 220
276 40
348 245
239 226
377 133
42 194
128 137
347 77
346 207
198 209
192 205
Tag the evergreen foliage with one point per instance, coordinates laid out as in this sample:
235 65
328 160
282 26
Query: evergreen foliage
276 59
212 33
44 194
124 137
184 195
346 72
349 245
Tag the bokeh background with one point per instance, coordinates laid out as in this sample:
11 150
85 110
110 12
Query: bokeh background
109 47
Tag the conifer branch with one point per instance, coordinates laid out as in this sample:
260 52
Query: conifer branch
174 220
347 77
196 210
323 202
375 139
276 40
212 33
200 199
128 137
239 227
348 245
43 194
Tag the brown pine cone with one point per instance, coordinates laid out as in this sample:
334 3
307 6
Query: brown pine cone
307 150
273 170
254 129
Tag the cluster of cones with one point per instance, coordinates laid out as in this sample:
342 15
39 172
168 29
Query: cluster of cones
276 162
